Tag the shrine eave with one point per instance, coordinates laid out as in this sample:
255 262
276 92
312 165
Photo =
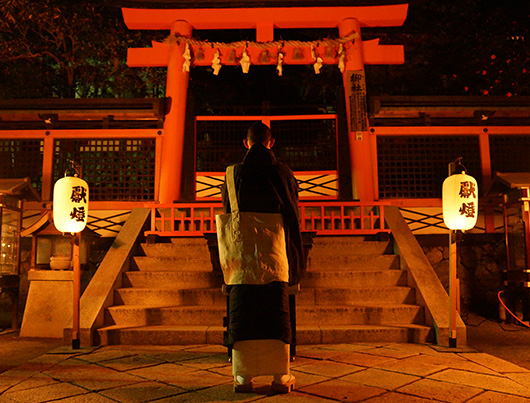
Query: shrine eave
248 18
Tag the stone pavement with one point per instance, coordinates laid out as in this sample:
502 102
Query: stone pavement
367 372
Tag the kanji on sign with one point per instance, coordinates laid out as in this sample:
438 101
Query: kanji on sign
78 194
467 189
467 210
78 214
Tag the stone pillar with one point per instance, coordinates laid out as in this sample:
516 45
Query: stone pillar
361 152
49 303
174 124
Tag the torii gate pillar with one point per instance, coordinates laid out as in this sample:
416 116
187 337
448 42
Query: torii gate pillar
174 124
355 96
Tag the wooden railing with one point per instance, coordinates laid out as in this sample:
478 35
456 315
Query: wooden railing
323 218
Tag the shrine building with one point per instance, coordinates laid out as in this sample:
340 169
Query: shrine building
352 160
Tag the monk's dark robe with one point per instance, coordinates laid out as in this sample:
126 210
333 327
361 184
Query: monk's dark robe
265 185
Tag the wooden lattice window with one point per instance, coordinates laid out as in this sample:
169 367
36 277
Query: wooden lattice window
122 169
510 153
306 144
416 166
22 158
220 143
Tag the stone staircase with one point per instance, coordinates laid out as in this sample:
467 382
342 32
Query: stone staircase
353 291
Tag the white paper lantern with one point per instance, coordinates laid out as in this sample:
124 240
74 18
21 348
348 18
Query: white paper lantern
460 202
70 204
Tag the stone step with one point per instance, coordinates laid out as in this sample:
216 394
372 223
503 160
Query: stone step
355 295
161 335
368 314
318 262
187 247
134 315
399 333
172 279
177 263
354 245
170 297
354 278
183 335
307 296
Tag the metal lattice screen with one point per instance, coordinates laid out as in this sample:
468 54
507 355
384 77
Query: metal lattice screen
510 153
121 169
22 158
306 144
220 143
416 166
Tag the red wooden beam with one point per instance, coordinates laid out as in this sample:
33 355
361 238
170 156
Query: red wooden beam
249 18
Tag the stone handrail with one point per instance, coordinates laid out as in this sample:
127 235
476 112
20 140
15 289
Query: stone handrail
99 293
429 291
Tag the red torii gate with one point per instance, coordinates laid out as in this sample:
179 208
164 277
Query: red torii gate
352 55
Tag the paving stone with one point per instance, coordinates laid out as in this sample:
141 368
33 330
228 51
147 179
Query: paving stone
45 393
142 392
443 361
69 351
342 390
131 362
329 369
498 364
167 373
88 398
105 355
177 356
421 365
390 352
90 376
412 348
299 361
430 389
306 379
202 379
225 371
318 353
345 347
380 379
521 378
208 349
362 359
483 381
393 397
190 397
494 397
225 393
35 381
210 361
295 397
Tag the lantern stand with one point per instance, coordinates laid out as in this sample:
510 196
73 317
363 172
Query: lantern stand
76 263
460 209
73 223
454 236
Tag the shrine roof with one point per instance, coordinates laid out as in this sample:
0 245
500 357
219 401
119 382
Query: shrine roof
20 187
449 111
55 113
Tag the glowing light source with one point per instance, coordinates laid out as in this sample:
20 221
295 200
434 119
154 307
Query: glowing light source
70 204
460 201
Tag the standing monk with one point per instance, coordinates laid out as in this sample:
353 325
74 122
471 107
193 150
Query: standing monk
259 331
